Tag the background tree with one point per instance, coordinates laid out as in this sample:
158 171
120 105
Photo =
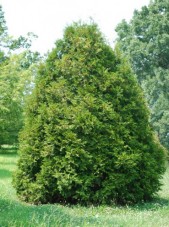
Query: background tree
17 72
145 40
3 34
86 137
16 82
7 43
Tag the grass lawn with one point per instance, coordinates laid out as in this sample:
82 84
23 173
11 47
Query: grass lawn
15 213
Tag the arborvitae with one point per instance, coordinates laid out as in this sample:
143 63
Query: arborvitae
86 137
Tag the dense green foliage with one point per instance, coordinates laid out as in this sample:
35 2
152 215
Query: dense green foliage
145 40
86 137
17 72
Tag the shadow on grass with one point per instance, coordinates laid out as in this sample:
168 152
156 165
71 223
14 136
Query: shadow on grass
5 173
7 151
23 215
155 204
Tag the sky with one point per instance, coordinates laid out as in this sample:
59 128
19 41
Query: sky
48 18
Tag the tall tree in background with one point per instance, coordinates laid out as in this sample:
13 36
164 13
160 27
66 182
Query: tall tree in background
17 72
145 40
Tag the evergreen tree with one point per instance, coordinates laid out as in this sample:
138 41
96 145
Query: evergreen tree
86 137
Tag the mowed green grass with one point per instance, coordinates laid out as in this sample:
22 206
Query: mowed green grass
15 213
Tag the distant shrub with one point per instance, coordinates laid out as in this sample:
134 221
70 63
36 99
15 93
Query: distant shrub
86 137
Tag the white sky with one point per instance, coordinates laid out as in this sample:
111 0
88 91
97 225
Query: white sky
48 18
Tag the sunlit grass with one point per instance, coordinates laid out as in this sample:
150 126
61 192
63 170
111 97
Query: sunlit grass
14 213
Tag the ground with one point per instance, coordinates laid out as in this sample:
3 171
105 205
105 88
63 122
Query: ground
14 213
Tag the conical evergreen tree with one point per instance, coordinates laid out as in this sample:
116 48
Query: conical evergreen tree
87 138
